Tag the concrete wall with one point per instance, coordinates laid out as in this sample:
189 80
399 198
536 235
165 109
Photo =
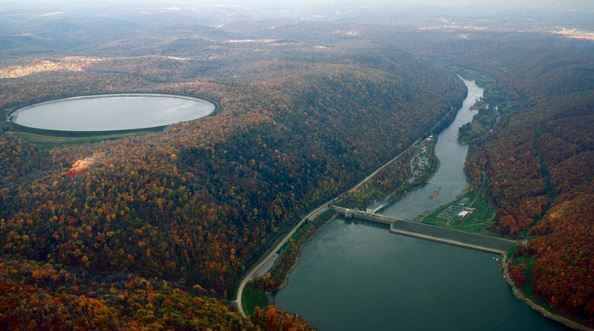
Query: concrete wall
435 233
467 238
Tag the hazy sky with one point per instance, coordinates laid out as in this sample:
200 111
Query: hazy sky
312 4
527 13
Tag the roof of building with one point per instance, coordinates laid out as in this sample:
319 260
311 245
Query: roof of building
463 213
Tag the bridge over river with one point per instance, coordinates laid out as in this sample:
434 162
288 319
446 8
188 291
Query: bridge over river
431 232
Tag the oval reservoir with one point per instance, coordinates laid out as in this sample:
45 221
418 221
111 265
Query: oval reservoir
112 112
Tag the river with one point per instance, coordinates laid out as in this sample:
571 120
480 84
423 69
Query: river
355 276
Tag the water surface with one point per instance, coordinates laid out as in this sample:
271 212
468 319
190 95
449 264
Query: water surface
112 112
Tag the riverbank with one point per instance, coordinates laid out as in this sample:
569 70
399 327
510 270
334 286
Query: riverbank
520 295
413 169
270 255
473 211
262 288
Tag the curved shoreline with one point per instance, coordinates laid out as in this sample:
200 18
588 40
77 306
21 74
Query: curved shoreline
252 271
299 249
535 306
12 114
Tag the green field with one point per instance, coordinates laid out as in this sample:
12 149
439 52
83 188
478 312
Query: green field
252 298
53 141
480 221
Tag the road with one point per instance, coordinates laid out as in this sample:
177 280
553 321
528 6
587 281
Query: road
270 254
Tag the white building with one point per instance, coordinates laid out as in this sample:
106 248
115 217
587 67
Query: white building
463 213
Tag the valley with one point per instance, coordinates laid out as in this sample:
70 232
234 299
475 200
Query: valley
158 228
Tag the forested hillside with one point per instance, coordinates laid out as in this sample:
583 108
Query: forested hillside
154 231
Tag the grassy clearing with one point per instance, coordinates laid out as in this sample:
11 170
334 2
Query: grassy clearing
252 298
480 221
52 141
527 289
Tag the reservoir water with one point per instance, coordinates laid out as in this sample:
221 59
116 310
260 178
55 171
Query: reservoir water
355 276
112 112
